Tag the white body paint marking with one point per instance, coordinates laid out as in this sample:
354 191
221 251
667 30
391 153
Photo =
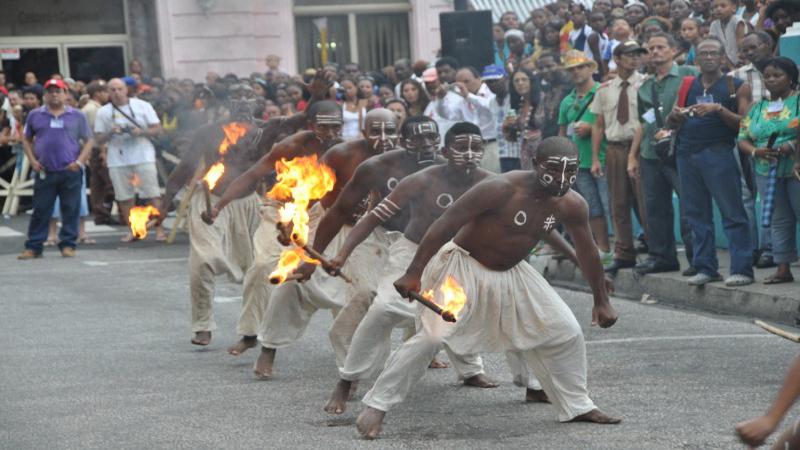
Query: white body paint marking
444 200
391 183
521 218
549 222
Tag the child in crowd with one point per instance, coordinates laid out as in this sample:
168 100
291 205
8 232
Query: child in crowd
620 32
728 28
690 32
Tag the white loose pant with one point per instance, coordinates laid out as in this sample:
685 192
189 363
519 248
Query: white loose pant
222 248
266 253
371 342
364 268
291 305
514 310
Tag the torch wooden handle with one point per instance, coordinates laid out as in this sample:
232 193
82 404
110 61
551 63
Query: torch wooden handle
446 316
325 262
778 331
290 277
207 196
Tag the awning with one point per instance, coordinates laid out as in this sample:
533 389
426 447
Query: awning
523 8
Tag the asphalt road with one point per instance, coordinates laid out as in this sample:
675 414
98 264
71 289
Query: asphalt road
95 354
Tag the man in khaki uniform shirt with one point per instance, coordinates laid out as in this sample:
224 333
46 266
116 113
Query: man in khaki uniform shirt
101 196
617 120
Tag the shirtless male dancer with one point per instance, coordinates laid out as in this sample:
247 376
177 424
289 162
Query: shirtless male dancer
225 247
509 305
378 177
325 120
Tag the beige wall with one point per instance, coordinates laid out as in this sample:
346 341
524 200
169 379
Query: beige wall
232 36
424 27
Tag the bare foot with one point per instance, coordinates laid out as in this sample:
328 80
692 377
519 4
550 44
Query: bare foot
128 238
202 338
369 422
436 364
480 380
161 236
353 390
263 366
536 396
338 402
597 416
242 345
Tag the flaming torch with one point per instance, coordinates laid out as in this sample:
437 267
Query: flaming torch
454 299
233 131
300 181
139 219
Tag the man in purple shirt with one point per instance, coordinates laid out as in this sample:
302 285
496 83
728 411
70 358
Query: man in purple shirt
52 142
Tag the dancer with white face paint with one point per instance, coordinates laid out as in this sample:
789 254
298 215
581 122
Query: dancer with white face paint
426 195
509 305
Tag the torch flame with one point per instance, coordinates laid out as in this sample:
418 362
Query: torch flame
233 131
300 180
290 260
214 174
454 296
138 218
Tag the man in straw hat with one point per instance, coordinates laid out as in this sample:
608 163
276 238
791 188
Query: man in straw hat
575 121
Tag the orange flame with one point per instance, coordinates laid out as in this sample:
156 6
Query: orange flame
290 260
453 295
138 218
233 131
214 174
300 181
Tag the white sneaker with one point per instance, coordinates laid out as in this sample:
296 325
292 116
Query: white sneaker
738 280
700 279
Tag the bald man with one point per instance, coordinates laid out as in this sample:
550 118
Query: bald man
126 125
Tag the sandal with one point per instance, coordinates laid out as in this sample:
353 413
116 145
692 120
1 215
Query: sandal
776 279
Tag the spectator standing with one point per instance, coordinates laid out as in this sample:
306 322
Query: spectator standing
478 108
690 32
678 11
353 110
32 84
127 125
708 169
446 106
501 51
729 29
580 33
635 13
398 107
415 96
52 142
779 114
402 72
516 46
659 177
701 10
525 126
102 192
757 48
615 105
620 32
575 121
554 85
510 20
497 81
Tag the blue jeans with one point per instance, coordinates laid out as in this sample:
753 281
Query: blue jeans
761 236
784 220
66 186
658 182
714 173
594 191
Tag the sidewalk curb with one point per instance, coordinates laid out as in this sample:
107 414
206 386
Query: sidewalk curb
671 289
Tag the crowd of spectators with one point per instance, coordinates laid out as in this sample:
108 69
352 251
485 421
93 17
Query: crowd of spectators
661 97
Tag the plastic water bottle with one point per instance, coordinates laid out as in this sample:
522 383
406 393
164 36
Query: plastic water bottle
790 43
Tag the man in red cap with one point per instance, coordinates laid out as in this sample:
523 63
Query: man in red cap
52 142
